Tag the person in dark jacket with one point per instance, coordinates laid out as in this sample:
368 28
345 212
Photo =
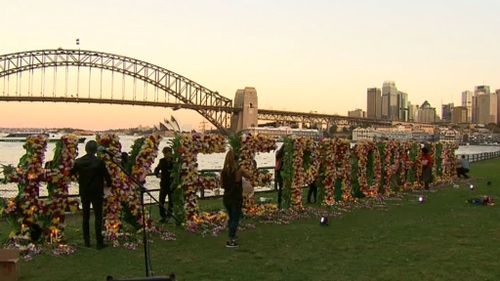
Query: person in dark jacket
278 178
163 171
92 174
231 179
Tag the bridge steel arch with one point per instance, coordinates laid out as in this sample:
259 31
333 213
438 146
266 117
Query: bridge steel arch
210 104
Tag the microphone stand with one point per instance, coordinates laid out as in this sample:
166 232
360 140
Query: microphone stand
147 258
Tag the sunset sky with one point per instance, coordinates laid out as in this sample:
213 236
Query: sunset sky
306 56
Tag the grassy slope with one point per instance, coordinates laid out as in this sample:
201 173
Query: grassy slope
443 239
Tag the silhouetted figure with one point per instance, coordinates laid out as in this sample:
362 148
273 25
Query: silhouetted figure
231 179
278 179
312 192
92 174
463 167
427 162
164 171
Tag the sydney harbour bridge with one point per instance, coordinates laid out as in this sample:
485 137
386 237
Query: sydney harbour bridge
83 76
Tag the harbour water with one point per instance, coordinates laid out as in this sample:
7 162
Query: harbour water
11 152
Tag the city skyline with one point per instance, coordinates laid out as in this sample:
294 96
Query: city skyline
300 56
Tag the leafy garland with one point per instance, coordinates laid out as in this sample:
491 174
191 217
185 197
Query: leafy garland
26 209
303 176
336 168
58 178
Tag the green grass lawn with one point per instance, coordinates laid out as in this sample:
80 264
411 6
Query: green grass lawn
443 239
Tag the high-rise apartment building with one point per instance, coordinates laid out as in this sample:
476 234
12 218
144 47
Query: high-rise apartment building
459 115
402 106
412 112
481 90
374 103
390 108
486 106
446 110
467 102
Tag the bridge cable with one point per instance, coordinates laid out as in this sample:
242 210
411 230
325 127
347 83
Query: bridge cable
54 88
123 86
112 82
100 86
90 79
66 85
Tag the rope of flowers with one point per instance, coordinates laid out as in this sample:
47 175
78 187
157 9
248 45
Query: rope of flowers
121 190
26 208
405 149
141 162
303 176
362 150
418 168
328 149
449 162
58 179
390 165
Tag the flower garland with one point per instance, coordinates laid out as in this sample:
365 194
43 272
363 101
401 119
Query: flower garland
58 178
404 151
246 149
362 151
120 189
145 157
26 207
302 176
391 165
337 166
251 144
186 149
209 181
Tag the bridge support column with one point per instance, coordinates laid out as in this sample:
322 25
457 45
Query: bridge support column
246 101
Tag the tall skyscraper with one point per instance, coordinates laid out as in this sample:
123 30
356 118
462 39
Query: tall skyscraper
478 92
467 103
390 108
374 103
426 113
446 111
402 106
486 104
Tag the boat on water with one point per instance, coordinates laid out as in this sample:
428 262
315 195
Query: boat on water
21 137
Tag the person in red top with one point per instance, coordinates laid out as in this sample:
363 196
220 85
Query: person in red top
427 162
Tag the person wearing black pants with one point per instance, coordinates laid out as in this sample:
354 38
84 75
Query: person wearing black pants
92 174
231 179
164 170
278 179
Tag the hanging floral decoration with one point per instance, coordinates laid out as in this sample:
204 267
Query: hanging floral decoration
186 149
302 175
58 176
337 166
145 157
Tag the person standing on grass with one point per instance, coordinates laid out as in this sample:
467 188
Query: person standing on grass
463 167
92 174
231 179
164 171
427 162
278 179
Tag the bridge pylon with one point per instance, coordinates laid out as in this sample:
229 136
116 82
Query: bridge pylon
246 105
